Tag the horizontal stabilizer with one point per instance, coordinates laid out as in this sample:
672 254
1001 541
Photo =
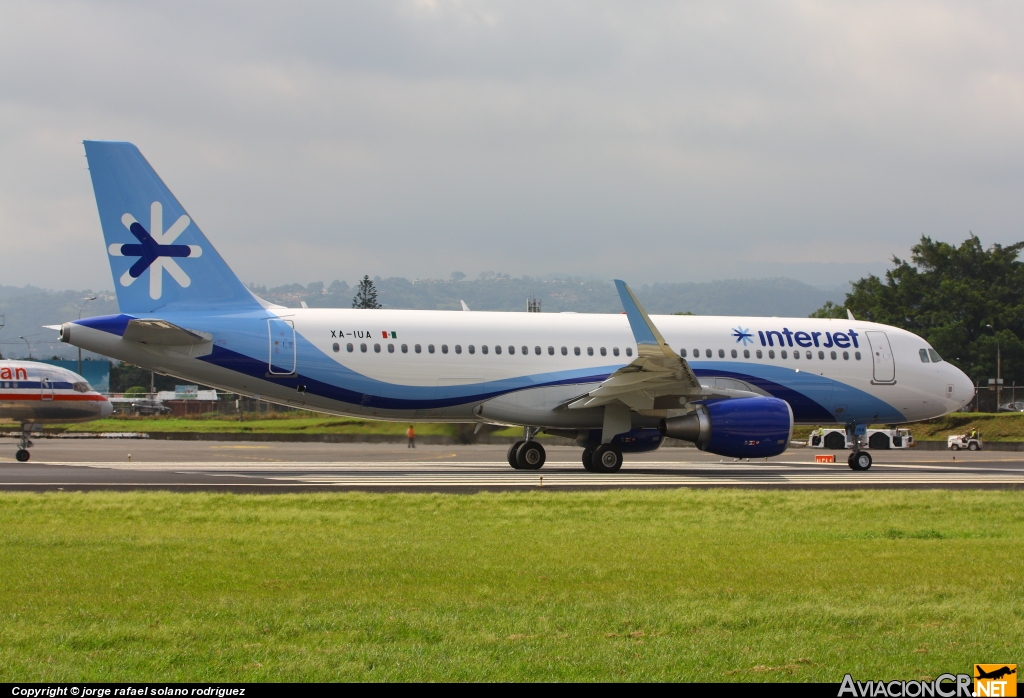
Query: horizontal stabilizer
162 332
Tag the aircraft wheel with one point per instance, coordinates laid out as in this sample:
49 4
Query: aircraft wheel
972 446
512 453
860 460
588 454
530 456
606 459
22 455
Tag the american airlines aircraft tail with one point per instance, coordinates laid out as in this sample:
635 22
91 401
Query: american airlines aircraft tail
616 383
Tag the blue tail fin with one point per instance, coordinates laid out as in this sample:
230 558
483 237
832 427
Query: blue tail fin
159 257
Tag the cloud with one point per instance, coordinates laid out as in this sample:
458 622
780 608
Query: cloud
655 141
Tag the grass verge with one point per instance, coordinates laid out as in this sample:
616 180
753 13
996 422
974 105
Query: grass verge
656 585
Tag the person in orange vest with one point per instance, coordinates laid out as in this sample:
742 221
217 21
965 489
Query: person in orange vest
411 435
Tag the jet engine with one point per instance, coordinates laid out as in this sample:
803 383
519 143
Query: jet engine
748 427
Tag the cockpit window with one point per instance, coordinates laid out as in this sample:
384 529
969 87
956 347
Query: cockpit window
923 353
81 387
935 355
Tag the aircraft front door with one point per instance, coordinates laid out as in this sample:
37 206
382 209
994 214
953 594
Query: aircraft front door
45 388
883 364
282 347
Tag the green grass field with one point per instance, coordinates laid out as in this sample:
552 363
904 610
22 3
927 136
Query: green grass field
653 585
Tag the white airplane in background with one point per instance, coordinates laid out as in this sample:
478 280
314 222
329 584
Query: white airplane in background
34 394
616 383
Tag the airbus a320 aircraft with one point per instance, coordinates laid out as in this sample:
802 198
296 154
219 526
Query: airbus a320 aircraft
616 383
34 394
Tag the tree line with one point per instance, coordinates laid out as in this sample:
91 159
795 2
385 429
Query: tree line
966 301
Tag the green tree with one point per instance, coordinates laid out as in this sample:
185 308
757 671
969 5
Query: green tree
366 295
960 299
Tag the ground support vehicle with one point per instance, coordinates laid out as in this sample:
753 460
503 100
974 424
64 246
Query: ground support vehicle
877 439
958 442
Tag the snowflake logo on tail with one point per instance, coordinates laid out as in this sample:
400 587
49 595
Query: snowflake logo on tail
156 250
742 335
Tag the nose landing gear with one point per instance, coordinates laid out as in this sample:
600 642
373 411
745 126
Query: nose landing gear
24 444
859 460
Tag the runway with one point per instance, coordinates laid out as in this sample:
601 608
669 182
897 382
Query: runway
117 464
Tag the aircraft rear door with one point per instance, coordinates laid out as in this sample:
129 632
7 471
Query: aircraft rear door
45 388
282 347
883 364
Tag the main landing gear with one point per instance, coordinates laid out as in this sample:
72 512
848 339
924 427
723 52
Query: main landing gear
527 454
24 444
606 458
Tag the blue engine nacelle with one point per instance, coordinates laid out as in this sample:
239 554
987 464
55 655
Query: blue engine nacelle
746 427
635 441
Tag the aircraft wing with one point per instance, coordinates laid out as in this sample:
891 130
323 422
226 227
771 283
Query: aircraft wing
656 372
153 331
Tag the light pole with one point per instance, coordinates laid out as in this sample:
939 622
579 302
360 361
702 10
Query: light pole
80 308
29 347
999 367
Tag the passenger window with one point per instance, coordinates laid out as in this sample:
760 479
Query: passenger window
362 348
856 355
696 353
405 348
512 349
444 348
846 356
809 355
551 351
629 351
923 353
682 353
833 356
771 353
746 353
576 351
376 348
391 348
536 350
721 353
734 353
472 349
565 352
336 347
615 351
418 349
590 351
458 348
604 352
935 356
483 349
783 354
497 348
430 349
821 355
759 355
349 347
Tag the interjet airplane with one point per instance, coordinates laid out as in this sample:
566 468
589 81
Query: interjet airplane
734 386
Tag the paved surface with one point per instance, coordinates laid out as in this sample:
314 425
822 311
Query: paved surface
277 467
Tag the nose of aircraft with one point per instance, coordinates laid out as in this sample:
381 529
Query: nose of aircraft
963 386
106 409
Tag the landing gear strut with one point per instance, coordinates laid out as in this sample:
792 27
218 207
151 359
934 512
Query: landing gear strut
24 444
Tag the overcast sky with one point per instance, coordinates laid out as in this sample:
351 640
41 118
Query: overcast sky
645 140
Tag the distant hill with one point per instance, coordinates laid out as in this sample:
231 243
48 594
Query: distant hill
26 309
780 297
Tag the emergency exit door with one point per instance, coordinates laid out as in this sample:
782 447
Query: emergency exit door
45 388
883 364
282 347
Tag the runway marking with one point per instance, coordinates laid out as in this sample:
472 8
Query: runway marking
427 474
